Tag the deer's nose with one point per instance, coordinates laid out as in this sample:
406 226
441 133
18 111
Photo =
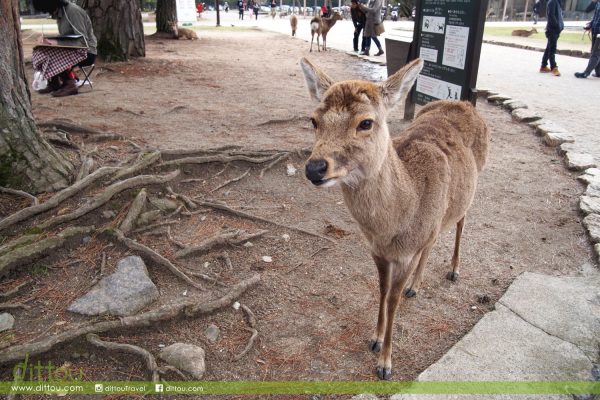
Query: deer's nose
316 170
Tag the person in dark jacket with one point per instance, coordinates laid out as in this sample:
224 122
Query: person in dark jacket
358 19
594 26
240 5
554 27
536 11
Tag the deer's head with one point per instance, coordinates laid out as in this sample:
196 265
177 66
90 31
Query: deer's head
350 123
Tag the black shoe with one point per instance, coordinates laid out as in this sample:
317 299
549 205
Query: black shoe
581 75
380 52
53 85
364 53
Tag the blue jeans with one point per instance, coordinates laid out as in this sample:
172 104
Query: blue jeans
368 42
550 52
594 63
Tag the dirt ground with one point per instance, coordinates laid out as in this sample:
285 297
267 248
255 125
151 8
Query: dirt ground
316 304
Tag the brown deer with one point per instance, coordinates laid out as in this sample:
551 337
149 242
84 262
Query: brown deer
294 24
184 33
524 32
320 26
402 192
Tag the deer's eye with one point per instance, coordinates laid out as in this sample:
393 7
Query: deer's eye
314 122
365 125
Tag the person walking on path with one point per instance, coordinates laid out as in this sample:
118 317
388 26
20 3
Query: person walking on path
536 11
594 62
373 12
554 27
358 19
240 5
256 8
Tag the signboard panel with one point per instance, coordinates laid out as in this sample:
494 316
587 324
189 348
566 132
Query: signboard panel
448 35
186 11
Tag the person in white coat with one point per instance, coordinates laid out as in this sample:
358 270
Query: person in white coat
373 11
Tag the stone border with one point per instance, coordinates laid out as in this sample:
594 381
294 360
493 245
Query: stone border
565 52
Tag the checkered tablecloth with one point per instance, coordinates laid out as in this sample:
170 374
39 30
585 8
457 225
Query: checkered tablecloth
54 60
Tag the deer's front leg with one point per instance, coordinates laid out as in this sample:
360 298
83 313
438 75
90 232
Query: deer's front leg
400 274
383 269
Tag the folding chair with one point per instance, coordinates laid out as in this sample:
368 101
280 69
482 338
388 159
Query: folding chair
87 73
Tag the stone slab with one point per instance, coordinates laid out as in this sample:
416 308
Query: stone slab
549 126
186 357
513 104
589 205
590 176
7 322
592 224
579 161
525 115
498 98
554 139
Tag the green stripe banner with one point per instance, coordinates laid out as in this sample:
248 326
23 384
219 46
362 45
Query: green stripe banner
300 387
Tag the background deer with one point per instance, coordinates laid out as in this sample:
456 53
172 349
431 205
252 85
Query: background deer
524 32
294 24
184 33
321 26
402 192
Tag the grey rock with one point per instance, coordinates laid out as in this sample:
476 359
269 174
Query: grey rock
125 292
186 357
365 396
549 127
212 333
525 115
554 139
148 217
590 176
108 214
537 122
163 204
592 224
592 190
7 322
514 104
566 147
589 205
498 98
597 251
483 92
579 161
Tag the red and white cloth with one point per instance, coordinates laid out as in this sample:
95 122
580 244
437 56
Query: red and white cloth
54 60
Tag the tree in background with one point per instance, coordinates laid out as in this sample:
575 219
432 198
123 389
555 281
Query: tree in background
26 160
166 15
118 28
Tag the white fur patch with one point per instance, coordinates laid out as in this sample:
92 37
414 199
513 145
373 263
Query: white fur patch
330 183
314 26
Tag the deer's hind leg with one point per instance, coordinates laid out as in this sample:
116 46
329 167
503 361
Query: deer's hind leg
384 271
423 256
312 37
318 45
453 275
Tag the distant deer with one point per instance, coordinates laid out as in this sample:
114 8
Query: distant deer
320 26
294 24
524 32
184 33
402 192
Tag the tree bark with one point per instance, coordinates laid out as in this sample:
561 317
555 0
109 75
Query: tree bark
118 27
26 160
166 15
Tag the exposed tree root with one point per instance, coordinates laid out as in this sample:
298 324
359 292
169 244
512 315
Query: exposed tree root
187 152
172 240
11 306
281 121
153 256
188 202
58 198
56 138
228 238
242 214
154 226
87 163
107 194
134 212
34 200
239 178
207 278
20 255
188 308
222 158
127 348
105 137
69 126
251 319
225 257
273 163
15 291
144 160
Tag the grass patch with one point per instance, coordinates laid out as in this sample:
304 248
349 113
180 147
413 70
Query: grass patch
565 36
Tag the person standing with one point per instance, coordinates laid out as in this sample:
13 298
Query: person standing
594 26
256 8
536 11
554 27
240 5
373 12
358 19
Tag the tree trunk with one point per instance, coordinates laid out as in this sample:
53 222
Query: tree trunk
26 160
166 15
118 28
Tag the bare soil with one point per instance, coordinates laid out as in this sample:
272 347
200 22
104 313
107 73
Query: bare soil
317 302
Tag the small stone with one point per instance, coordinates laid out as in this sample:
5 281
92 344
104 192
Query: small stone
554 139
248 244
186 357
592 223
473 307
579 161
161 345
536 122
549 126
7 322
203 218
592 190
206 264
75 355
184 293
267 259
590 176
589 205
148 217
212 333
86 239
108 214
286 237
566 147
498 98
236 305
290 170
514 104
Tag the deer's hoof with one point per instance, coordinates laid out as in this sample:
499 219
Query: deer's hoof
375 345
452 276
384 374
410 293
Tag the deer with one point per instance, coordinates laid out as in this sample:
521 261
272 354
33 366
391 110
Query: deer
524 32
402 192
320 26
294 24
184 33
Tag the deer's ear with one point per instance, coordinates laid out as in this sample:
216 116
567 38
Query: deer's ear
317 81
397 86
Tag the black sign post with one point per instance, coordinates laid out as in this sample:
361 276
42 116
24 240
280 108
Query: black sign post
447 36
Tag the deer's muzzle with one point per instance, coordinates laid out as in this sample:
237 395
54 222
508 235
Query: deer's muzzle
315 171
